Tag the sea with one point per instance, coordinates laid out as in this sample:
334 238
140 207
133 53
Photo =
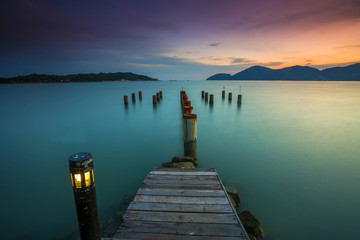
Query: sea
292 149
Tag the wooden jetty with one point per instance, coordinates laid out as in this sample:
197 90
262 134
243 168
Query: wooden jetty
181 203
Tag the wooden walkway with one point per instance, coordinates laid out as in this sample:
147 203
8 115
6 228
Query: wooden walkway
181 203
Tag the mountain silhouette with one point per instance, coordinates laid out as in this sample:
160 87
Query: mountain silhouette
296 73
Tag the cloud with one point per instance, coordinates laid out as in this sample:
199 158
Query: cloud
240 60
271 64
214 44
149 65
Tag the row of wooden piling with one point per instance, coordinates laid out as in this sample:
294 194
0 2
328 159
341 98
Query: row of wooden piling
133 98
190 127
156 98
205 96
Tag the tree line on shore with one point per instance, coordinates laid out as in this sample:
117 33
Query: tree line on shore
80 77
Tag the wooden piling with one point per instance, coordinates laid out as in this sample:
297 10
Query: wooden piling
158 96
140 95
188 109
223 94
133 97
184 99
161 95
190 135
154 99
211 99
202 94
239 99
126 100
206 96
230 96
182 94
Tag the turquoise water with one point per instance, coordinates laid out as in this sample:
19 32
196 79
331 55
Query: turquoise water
291 149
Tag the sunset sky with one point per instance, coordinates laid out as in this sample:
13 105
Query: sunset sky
175 39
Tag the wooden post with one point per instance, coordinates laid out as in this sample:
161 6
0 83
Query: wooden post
182 94
206 97
190 135
133 97
184 99
154 99
188 109
82 179
202 94
239 99
211 99
230 96
223 94
126 100
160 94
140 95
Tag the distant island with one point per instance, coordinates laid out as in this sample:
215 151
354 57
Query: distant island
80 77
295 73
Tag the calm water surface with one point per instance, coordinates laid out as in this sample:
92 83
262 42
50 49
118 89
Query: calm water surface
292 150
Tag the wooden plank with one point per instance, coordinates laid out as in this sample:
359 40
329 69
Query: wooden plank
181 186
133 235
184 182
181 192
182 173
182 177
194 229
172 207
180 199
183 169
228 218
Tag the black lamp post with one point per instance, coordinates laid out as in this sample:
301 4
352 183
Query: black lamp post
82 179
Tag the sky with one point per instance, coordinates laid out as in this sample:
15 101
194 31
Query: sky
175 39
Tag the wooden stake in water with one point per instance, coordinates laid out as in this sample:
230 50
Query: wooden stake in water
133 97
190 135
211 99
239 99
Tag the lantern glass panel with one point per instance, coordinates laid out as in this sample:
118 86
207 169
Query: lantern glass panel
77 180
87 179
72 180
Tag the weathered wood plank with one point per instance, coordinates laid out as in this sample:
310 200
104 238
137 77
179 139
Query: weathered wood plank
132 235
180 199
183 182
172 207
195 229
183 173
183 169
182 177
181 192
181 204
181 186
228 218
